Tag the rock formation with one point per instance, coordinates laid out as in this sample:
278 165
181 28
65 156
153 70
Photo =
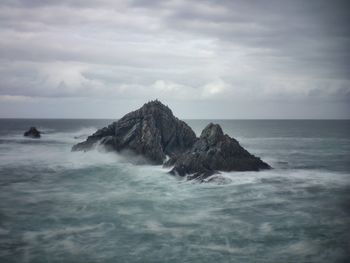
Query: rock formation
151 131
214 151
155 133
32 133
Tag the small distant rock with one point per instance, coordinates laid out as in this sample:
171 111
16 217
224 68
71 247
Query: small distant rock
32 133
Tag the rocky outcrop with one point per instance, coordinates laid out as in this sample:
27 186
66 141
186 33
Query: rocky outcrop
151 131
214 151
154 132
32 133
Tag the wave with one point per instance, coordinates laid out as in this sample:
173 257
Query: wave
105 205
54 151
308 176
97 206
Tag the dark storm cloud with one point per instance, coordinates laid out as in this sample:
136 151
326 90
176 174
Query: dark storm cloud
314 33
177 50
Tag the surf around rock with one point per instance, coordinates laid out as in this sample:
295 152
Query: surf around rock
154 133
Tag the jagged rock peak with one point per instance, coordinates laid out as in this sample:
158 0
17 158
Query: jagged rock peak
212 132
151 131
214 151
156 104
154 133
153 107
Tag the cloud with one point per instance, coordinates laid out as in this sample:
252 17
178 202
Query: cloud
176 50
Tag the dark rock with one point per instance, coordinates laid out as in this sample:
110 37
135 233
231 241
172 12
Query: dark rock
32 133
214 151
151 131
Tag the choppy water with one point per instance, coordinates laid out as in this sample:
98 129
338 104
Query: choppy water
59 206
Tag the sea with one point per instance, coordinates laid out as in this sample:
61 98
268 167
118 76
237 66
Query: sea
63 206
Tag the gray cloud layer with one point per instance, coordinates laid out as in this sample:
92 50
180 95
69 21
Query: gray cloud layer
277 58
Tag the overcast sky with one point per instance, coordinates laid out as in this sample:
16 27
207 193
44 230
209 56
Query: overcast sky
205 59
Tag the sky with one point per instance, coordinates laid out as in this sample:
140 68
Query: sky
208 59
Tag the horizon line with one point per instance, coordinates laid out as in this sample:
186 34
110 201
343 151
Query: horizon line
257 119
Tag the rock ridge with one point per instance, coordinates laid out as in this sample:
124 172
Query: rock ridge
214 151
151 131
154 133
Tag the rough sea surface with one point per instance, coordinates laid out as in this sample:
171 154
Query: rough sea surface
63 206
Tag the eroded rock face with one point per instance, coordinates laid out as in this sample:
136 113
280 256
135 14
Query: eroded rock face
151 131
154 132
32 133
214 151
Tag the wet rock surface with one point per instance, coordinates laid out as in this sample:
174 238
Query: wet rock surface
154 133
151 131
214 151
32 133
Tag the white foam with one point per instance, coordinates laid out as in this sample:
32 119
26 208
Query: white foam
303 247
308 176
223 248
266 228
63 234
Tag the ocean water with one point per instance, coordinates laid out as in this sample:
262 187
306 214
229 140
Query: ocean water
63 206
